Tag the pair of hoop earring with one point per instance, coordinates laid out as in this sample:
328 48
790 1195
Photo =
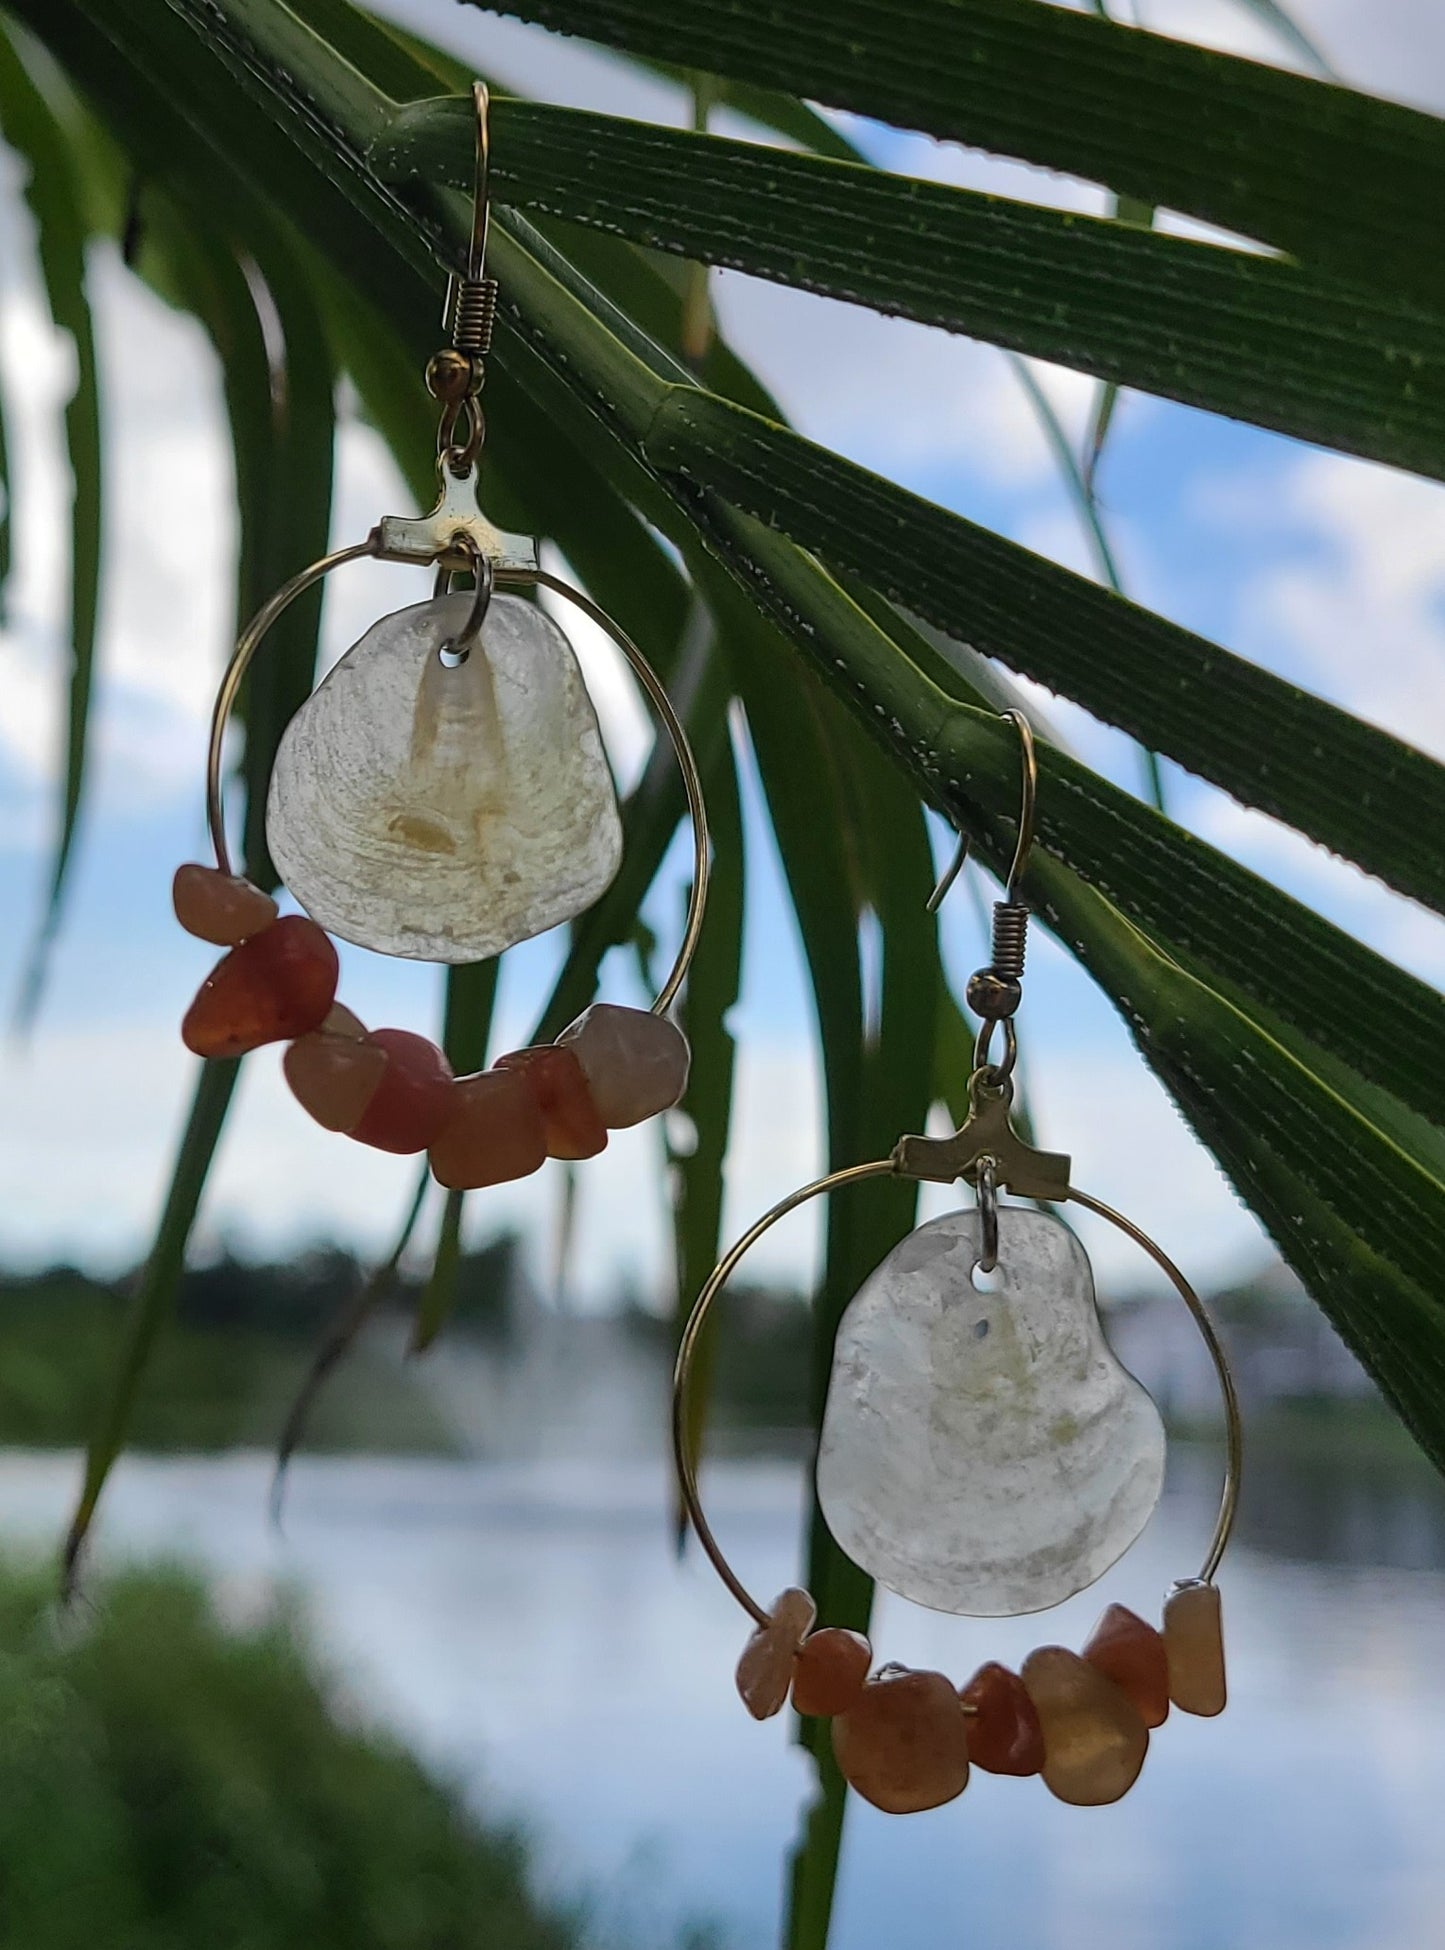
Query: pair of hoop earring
443 795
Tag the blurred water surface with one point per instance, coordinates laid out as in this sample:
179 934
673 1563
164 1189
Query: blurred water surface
528 1628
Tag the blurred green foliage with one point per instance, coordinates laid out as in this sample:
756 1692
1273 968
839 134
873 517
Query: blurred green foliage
224 1377
167 1784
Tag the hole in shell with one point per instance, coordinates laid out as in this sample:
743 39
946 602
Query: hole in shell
985 1283
451 658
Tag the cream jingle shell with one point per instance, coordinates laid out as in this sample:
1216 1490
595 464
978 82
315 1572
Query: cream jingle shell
985 1453
443 814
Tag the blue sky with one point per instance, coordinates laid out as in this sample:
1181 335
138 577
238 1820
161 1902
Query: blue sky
1326 570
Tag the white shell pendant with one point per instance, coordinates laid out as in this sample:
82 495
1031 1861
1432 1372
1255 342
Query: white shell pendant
445 814
985 1453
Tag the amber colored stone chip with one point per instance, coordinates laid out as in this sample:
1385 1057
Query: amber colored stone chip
341 1022
334 1076
413 1099
1194 1641
270 989
570 1121
1131 1653
493 1132
765 1669
903 1745
635 1063
219 907
830 1671
1004 1735
1094 1738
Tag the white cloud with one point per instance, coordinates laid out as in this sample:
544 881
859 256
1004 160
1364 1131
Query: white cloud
1352 599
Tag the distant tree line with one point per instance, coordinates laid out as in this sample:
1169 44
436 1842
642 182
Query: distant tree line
292 1296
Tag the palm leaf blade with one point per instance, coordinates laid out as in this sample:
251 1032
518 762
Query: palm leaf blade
1235 332
55 195
1339 179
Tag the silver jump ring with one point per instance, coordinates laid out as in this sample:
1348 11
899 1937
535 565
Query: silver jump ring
458 648
987 1214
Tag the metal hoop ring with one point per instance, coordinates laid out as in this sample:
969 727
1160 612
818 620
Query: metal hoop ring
682 1447
266 617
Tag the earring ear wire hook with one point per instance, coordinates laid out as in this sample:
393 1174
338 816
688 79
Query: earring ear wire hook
950 873
481 197
1024 844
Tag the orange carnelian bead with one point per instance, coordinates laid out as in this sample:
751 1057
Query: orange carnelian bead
1094 1739
1004 1736
1132 1654
636 1063
830 1670
493 1132
413 1099
903 1745
1194 1641
335 1071
765 1669
570 1122
277 985
219 907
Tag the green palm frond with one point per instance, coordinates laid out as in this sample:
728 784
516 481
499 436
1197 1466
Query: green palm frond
306 161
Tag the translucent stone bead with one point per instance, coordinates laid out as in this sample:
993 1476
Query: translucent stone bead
1131 1653
444 814
1194 1642
334 1073
570 1123
219 907
830 1670
1094 1739
413 1099
341 1022
277 985
765 1670
985 1452
492 1133
1004 1735
636 1063
903 1745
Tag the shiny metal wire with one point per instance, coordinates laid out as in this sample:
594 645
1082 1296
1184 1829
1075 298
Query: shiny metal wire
996 1073
687 765
481 181
987 1188
459 647
1233 1422
682 1443
247 644
253 635
1010 940
1024 844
